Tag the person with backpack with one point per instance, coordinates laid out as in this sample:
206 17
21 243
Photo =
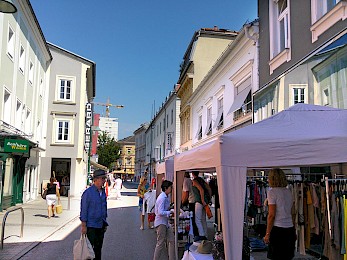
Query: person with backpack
202 193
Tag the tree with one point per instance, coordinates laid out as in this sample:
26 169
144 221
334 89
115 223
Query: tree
107 150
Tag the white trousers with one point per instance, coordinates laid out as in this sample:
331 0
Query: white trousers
200 219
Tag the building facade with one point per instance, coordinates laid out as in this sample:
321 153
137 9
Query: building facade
306 69
126 161
140 150
223 100
110 126
163 133
24 71
203 51
70 112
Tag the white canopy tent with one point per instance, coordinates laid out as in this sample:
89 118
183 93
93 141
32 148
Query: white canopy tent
299 136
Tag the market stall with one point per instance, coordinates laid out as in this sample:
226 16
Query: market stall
301 135
164 171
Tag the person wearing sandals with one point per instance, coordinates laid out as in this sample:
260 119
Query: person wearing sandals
141 190
51 198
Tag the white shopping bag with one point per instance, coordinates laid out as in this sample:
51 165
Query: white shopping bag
82 249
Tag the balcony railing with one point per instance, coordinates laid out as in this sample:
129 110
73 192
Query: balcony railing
244 111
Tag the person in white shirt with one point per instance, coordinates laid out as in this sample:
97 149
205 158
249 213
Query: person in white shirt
118 184
161 223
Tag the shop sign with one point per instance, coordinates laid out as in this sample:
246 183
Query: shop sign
16 146
88 126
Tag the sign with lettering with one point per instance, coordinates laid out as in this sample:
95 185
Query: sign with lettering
16 146
88 126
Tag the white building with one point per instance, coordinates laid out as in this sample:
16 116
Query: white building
163 133
68 134
24 71
222 102
110 126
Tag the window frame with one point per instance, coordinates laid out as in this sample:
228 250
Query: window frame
321 23
31 73
72 87
21 61
302 87
278 56
55 129
11 43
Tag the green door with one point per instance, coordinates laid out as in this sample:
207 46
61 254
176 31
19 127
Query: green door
18 179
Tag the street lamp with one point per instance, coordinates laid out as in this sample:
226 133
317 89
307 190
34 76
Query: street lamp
7 7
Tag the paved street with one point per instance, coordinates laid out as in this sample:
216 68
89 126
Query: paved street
55 237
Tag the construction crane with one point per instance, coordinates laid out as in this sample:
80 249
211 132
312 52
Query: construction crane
108 105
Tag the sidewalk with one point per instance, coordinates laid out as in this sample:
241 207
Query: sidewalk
37 227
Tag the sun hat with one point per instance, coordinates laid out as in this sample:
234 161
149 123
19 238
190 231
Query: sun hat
99 173
205 247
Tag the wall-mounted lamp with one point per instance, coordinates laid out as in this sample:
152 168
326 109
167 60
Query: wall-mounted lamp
7 7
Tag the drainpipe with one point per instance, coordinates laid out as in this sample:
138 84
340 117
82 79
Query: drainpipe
255 38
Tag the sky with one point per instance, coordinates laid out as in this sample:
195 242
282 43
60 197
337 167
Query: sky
137 45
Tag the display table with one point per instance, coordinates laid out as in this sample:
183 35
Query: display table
192 254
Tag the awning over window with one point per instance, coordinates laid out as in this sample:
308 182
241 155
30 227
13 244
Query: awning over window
218 118
239 100
99 166
208 126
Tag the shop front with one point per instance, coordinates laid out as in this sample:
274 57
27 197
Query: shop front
14 153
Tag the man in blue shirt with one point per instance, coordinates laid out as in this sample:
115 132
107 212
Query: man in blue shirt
94 212
161 222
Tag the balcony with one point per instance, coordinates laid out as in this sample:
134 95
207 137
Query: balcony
244 112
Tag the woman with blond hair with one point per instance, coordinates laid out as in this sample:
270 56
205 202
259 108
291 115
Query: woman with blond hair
280 232
141 190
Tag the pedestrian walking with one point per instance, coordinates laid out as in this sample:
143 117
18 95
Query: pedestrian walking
164 231
93 212
118 185
52 194
141 190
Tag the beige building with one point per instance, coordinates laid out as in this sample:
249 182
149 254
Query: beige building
205 48
126 161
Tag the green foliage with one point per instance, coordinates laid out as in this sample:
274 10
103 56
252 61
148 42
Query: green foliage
107 150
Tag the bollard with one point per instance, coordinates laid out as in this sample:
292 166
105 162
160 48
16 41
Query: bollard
68 199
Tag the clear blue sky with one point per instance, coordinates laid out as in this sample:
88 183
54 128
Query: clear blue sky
137 45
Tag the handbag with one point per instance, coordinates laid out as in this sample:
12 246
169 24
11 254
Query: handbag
151 216
82 249
44 194
59 207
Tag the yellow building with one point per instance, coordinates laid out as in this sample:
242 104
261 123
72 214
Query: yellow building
126 161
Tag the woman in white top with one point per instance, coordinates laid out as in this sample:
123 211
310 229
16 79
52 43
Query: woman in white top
280 232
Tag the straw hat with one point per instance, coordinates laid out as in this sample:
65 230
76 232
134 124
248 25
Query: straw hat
205 247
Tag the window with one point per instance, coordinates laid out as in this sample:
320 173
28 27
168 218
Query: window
325 97
325 14
31 73
21 59
171 116
65 89
28 122
63 130
41 88
7 107
167 121
209 121
10 43
299 93
38 131
220 118
18 119
321 7
199 132
279 33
